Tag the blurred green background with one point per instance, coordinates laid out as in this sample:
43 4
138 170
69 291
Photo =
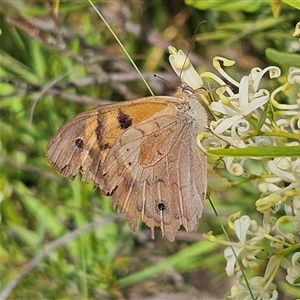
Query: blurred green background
59 59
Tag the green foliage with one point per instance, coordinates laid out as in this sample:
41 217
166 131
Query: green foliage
292 151
292 3
224 5
283 58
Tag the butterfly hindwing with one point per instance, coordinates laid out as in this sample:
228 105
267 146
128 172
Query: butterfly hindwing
154 171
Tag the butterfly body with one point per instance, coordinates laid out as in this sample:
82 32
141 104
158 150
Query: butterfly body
143 153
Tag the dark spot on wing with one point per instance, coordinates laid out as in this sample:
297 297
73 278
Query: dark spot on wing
105 146
161 206
79 142
99 134
124 120
99 131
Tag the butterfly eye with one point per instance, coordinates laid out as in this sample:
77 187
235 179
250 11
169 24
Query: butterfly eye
187 89
183 107
79 142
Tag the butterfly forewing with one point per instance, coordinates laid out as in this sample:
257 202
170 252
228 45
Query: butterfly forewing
82 143
71 143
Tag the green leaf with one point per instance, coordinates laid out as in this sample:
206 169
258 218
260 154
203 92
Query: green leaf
283 58
283 151
181 260
18 69
293 3
226 5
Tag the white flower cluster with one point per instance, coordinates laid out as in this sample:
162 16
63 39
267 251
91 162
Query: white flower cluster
247 115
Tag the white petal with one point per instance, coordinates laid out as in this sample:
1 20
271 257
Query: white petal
226 123
184 69
241 226
223 109
244 92
258 102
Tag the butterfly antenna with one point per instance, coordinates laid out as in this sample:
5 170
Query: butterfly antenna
185 60
194 35
163 79
192 46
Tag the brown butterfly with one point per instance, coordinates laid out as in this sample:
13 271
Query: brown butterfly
143 153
